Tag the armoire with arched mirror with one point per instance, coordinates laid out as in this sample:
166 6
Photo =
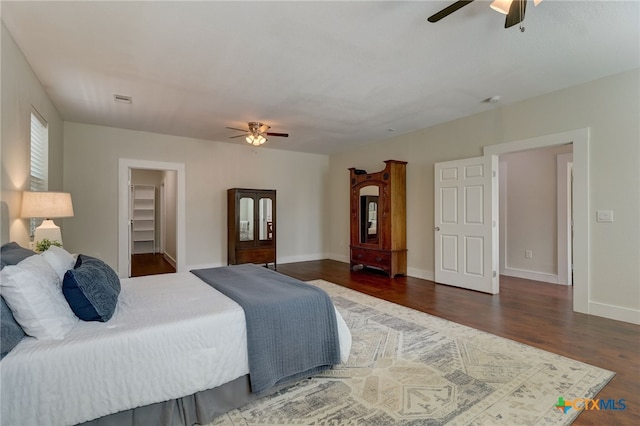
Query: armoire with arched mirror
378 218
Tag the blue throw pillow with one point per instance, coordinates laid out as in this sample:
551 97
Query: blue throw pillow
12 254
11 331
92 289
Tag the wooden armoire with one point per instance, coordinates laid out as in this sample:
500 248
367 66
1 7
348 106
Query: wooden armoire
378 218
251 226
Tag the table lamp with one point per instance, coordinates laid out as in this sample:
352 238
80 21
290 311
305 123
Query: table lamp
46 205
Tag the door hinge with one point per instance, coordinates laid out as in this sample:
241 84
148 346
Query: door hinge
494 274
494 173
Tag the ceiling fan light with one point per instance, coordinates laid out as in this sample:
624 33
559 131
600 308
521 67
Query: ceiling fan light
502 6
261 140
249 139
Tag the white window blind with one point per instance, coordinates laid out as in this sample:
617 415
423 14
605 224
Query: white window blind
39 153
39 158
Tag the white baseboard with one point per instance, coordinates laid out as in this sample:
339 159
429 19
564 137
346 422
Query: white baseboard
301 258
169 259
204 266
614 312
411 272
421 273
280 260
531 275
338 257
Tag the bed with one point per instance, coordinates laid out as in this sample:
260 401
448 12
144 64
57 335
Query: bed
174 351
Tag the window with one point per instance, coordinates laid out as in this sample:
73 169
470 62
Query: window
39 158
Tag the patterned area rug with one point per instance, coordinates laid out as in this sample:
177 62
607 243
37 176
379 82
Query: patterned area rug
410 368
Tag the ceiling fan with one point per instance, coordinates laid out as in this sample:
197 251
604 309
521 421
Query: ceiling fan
514 9
257 133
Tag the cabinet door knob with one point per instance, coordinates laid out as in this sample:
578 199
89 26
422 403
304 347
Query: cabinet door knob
378 259
359 255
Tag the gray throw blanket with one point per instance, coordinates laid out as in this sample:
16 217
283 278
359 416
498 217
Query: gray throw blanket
292 329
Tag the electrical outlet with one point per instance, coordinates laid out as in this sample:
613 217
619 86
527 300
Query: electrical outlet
604 216
528 254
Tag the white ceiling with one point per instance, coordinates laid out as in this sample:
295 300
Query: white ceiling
335 75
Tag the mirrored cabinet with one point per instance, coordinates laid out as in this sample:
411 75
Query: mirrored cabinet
378 218
251 226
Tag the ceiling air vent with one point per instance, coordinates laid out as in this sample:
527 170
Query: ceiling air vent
122 98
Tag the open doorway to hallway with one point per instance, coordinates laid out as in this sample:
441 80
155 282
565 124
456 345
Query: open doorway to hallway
536 214
579 138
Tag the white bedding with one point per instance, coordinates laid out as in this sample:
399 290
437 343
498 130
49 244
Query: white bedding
171 335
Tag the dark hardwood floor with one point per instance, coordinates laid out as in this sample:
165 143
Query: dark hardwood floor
534 313
150 264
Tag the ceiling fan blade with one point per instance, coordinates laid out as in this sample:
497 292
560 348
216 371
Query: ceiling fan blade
263 128
516 13
235 128
283 135
448 10
238 136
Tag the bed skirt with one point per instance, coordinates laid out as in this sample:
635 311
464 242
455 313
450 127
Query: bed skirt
200 408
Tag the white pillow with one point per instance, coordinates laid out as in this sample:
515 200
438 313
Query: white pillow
32 290
60 260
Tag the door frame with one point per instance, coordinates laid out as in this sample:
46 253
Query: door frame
581 236
124 182
564 184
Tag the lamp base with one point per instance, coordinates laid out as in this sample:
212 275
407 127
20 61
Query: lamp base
47 230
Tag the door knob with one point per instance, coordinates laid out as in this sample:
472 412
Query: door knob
437 228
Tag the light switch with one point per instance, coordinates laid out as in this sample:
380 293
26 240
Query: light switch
604 216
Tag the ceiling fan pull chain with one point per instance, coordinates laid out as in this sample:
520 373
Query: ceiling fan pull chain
522 6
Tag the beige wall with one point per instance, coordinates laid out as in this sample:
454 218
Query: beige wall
21 91
91 175
609 107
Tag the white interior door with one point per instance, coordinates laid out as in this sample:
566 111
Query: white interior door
466 223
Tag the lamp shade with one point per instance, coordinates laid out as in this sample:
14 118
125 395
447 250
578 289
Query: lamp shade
501 6
46 204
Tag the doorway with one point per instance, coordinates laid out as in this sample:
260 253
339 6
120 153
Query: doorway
535 214
580 204
173 182
580 201
153 222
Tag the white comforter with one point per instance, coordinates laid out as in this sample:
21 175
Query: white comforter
171 336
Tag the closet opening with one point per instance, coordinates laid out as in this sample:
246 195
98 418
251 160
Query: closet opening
160 222
153 222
